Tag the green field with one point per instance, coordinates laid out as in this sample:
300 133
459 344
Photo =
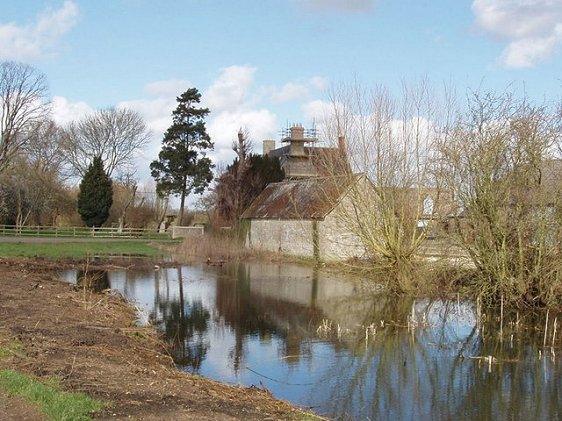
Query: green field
79 249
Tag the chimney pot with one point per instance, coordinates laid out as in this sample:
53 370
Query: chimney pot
297 132
341 143
267 146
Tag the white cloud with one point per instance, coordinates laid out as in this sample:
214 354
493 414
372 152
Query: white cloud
533 28
292 91
156 112
345 5
289 92
527 52
64 112
35 41
317 110
167 88
318 82
224 127
230 89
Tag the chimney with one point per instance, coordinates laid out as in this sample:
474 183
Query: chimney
297 132
268 146
341 144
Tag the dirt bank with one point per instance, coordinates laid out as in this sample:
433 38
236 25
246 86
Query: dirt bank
89 341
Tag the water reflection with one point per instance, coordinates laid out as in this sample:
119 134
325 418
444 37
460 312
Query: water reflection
95 280
381 358
184 325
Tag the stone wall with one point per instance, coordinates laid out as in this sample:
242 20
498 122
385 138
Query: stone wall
293 237
337 240
297 237
181 232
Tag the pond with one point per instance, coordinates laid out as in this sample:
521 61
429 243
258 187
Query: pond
343 347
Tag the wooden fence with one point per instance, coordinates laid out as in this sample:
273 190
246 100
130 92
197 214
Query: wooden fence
84 232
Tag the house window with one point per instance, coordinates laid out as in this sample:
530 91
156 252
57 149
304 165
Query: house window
428 206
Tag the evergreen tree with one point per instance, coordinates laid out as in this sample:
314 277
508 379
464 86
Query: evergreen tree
96 195
182 166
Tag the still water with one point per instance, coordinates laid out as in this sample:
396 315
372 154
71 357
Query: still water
344 348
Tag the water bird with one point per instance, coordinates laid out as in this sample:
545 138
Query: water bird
215 262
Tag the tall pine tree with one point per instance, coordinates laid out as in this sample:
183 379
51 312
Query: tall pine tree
96 195
182 166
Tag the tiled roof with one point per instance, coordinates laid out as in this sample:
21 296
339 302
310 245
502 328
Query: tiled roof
309 198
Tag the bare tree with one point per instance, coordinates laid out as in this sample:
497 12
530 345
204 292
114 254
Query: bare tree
114 134
44 150
390 141
35 193
124 199
499 160
22 103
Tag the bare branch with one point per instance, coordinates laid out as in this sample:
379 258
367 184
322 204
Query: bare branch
113 134
22 103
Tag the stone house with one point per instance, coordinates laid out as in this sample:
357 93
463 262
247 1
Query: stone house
301 215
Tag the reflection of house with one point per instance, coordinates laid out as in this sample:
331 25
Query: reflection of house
298 216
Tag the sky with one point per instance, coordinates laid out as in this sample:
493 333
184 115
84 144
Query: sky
262 65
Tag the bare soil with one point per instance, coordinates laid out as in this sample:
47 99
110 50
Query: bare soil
89 341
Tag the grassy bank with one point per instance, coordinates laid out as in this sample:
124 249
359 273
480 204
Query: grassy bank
49 399
80 249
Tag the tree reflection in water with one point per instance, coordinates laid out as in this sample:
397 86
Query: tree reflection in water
93 279
184 327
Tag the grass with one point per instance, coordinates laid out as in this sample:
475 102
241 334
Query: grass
11 348
54 403
78 249
305 416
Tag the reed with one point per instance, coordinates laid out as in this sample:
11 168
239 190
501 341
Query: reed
545 329
213 249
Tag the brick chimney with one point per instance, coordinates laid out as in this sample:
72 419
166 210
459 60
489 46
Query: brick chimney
267 146
297 132
341 143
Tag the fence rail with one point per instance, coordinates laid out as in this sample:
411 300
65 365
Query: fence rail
49 231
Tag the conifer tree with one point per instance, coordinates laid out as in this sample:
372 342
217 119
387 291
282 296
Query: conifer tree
96 195
182 167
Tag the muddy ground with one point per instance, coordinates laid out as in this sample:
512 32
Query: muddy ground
90 342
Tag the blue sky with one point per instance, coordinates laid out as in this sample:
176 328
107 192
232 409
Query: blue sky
261 64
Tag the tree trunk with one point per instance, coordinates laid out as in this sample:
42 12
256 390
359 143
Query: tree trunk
182 204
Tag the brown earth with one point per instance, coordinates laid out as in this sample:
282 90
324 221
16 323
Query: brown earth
89 341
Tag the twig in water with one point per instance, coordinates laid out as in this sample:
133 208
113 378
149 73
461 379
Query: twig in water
545 329
554 330
325 328
501 316
278 381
